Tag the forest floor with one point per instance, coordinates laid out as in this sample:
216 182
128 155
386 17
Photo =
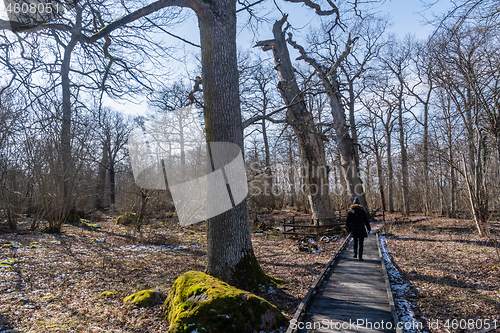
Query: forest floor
55 282
452 275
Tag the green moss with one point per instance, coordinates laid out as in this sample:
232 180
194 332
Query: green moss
49 297
200 302
85 224
145 298
127 219
107 293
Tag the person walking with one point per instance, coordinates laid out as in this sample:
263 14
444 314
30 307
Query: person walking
357 220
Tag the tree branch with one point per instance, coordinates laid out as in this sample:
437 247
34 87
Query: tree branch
318 9
155 6
144 11
171 34
248 6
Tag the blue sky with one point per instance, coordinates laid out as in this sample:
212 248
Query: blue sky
408 16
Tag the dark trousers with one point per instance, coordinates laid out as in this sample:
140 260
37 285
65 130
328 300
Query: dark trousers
358 244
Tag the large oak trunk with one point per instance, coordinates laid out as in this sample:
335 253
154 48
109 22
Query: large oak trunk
229 247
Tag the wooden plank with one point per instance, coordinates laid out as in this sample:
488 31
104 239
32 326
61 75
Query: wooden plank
315 285
367 298
338 304
354 314
352 290
332 292
326 323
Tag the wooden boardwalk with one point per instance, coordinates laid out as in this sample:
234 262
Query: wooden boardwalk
352 292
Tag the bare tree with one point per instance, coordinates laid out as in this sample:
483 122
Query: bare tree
422 89
464 72
310 140
230 254
10 125
258 100
113 133
397 61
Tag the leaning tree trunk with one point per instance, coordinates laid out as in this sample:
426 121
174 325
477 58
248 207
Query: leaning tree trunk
310 141
230 256
352 120
345 143
347 151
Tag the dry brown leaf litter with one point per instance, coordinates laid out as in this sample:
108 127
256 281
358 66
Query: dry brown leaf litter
454 273
57 287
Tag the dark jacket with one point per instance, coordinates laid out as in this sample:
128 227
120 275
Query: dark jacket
357 219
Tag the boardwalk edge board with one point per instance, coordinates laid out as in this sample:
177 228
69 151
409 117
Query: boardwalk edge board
389 289
305 301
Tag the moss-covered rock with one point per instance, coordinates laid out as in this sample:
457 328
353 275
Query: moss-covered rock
8 263
107 293
98 240
35 245
127 219
145 298
13 245
199 302
85 224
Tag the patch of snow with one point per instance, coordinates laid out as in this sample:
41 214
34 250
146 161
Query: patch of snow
143 247
400 289
326 239
180 248
151 248
311 240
